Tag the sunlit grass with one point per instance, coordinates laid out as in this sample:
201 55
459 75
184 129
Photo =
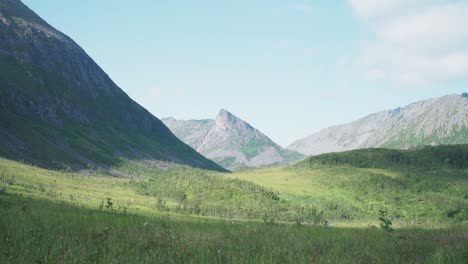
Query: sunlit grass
416 195
35 230
55 216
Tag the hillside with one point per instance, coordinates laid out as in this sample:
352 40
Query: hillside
428 184
438 157
58 108
230 141
344 188
437 121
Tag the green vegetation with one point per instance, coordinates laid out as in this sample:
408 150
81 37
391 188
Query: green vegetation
348 194
254 147
199 193
314 213
426 158
40 231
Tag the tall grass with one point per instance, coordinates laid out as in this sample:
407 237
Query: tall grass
166 216
40 231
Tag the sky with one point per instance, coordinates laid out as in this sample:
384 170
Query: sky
289 68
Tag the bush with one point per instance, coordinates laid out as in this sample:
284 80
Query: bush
385 222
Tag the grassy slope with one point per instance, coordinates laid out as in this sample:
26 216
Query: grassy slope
350 194
206 193
343 194
423 158
77 189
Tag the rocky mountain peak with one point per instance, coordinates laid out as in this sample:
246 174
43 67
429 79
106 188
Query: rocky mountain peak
225 116
231 141
227 120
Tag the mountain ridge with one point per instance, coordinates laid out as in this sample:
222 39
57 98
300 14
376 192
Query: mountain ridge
440 120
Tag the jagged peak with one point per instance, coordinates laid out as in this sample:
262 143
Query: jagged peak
225 116
224 113
227 119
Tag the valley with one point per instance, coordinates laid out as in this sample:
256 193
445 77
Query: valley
89 175
191 211
332 195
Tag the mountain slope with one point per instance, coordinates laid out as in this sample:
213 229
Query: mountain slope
59 108
442 120
230 141
192 132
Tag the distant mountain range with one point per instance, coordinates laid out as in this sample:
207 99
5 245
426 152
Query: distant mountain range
230 141
59 108
442 120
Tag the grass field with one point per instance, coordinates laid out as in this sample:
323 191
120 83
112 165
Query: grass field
41 231
298 214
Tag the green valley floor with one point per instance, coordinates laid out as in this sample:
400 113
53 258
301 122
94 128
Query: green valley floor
271 215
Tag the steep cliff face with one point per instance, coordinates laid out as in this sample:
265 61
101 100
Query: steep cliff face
59 107
436 121
230 141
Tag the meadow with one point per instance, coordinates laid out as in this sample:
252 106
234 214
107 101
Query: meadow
42 231
315 211
355 195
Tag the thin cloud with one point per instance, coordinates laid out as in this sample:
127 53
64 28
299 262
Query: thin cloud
415 43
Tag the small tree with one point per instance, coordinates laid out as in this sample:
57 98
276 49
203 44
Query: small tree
109 203
315 217
385 222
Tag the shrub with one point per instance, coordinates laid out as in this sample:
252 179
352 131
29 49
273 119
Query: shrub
385 222
109 203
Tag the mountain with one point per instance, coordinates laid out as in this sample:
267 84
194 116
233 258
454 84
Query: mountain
59 108
442 120
230 141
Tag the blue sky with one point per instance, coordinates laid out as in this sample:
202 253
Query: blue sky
289 68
